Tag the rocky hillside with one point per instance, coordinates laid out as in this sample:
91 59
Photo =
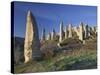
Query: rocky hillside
72 55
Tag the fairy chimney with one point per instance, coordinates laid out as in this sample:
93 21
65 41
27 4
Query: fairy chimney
31 43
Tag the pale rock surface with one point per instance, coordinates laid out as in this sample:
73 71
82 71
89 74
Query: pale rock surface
32 43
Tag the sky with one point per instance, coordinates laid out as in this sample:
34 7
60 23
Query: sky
49 16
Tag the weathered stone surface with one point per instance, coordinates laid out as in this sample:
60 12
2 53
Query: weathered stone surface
81 31
94 29
53 35
61 32
49 36
86 32
90 31
70 31
76 30
32 43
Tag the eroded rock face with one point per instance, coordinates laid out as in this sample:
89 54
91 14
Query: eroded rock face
49 36
61 32
53 34
81 32
70 31
32 43
86 32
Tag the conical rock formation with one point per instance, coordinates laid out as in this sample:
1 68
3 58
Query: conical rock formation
32 43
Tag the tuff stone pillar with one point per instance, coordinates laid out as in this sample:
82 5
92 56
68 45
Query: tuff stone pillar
81 31
49 36
32 43
61 32
53 34
70 31
86 31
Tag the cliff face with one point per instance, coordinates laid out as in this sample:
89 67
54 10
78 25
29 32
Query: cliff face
18 50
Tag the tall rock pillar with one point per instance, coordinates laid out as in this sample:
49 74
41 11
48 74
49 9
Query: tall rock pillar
66 33
32 43
53 34
81 31
61 32
49 36
86 31
70 31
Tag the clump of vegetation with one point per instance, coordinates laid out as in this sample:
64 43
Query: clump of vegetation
71 44
70 41
49 48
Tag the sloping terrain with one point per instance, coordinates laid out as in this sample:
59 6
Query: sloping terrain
63 59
